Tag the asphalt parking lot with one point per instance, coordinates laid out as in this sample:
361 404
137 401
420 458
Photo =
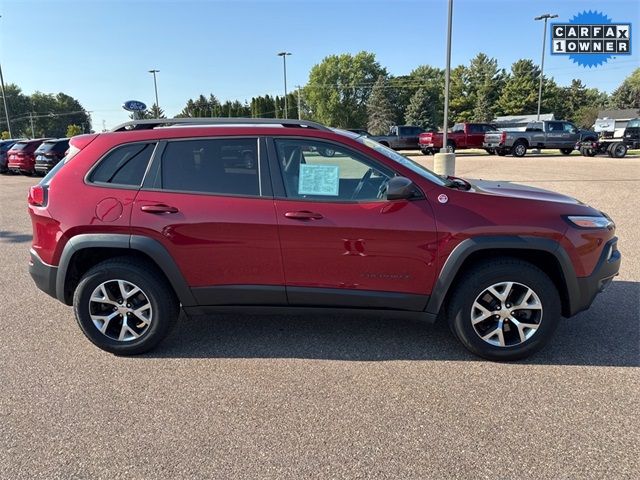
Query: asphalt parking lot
327 397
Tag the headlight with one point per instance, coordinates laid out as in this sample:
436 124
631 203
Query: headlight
590 221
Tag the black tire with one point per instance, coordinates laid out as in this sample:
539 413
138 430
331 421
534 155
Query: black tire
426 151
501 152
490 151
386 144
164 304
451 146
486 274
566 151
617 150
519 148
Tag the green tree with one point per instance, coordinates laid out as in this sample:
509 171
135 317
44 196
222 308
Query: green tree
431 81
484 85
520 93
73 130
421 110
627 95
379 111
585 116
460 102
339 87
156 112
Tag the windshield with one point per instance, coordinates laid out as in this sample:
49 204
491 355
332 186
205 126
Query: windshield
396 157
635 123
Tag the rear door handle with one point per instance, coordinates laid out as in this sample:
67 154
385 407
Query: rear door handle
303 215
159 208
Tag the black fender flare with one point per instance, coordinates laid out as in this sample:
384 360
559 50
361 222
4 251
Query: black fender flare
464 249
152 248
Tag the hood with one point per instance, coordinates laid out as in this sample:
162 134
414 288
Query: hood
515 190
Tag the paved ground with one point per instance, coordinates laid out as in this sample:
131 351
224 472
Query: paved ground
315 397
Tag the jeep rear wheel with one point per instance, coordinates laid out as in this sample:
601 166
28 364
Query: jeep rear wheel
124 306
566 151
504 309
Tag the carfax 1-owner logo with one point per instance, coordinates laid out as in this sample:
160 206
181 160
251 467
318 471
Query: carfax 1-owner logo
590 39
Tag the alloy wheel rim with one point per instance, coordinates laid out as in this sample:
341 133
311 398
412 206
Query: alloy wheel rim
520 149
120 310
506 314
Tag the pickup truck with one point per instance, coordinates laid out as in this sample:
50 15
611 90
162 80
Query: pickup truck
461 136
400 137
547 134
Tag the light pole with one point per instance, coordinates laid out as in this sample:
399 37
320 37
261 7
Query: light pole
544 17
155 86
284 65
4 101
444 163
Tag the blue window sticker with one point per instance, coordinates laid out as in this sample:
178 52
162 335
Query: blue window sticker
319 180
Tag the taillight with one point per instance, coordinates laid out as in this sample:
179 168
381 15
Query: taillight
37 196
503 137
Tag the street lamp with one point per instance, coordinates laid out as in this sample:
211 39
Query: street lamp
544 17
444 163
155 86
284 64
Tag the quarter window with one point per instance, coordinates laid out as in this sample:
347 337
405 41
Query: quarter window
324 171
124 166
220 166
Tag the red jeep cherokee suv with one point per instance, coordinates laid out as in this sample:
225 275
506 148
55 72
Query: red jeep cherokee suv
209 215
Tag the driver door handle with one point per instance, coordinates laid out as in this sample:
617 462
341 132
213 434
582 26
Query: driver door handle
303 215
158 208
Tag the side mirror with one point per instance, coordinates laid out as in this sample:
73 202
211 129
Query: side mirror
399 188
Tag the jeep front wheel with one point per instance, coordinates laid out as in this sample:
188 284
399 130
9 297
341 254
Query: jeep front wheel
124 306
504 309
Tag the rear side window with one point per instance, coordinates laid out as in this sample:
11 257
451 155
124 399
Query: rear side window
58 147
216 166
124 166
19 147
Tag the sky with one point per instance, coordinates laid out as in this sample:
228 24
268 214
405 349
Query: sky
100 51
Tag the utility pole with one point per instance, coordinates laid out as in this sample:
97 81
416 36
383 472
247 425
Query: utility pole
299 105
544 17
284 64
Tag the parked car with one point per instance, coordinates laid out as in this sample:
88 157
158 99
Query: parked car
165 223
461 136
21 156
49 153
400 137
541 135
5 145
614 147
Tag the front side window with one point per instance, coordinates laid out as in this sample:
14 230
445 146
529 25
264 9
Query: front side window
569 128
324 171
215 166
124 165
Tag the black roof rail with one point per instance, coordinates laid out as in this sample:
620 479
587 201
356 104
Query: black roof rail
149 124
